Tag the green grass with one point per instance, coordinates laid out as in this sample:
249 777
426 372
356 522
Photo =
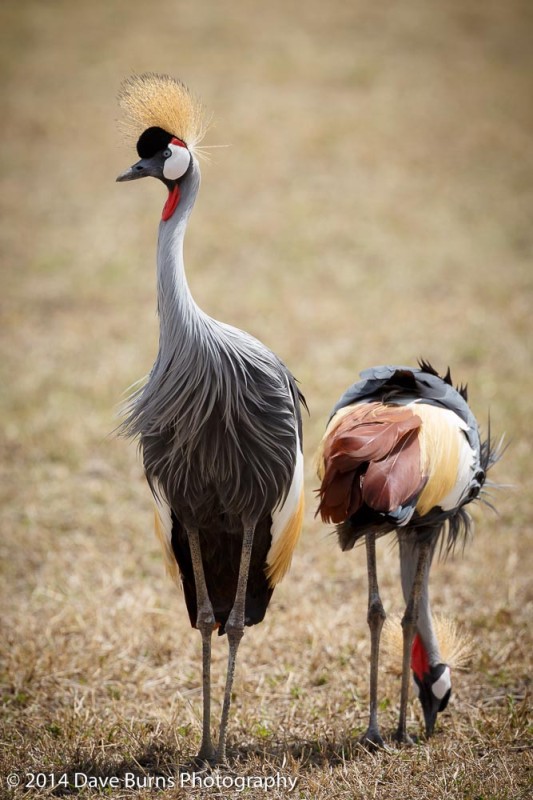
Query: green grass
373 205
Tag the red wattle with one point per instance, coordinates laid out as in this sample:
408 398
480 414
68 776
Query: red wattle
171 203
419 658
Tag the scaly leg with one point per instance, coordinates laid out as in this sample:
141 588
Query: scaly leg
205 622
375 618
409 622
235 630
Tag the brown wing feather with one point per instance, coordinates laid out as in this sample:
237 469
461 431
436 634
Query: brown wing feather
395 479
372 456
342 497
365 433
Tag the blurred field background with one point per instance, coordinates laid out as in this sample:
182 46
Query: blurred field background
374 205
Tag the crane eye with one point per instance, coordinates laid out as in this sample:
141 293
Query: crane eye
167 152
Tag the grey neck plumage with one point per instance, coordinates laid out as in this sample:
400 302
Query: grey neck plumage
408 561
179 315
216 417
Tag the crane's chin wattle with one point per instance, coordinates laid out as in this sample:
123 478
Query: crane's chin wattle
171 202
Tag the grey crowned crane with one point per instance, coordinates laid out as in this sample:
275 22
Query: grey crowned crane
218 418
402 453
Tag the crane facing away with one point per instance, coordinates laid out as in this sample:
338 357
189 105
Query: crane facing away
218 419
402 453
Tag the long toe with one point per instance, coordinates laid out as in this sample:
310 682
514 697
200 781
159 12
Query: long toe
403 738
206 758
372 740
198 766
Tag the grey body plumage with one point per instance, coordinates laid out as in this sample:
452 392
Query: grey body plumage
215 418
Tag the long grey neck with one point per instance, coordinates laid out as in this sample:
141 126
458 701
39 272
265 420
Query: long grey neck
408 564
179 315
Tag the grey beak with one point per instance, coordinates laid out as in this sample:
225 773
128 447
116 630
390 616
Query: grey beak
141 169
430 718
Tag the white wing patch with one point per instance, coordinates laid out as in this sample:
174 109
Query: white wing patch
446 458
282 514
465 471
287 523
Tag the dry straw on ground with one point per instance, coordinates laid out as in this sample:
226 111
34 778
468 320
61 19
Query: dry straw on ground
374 205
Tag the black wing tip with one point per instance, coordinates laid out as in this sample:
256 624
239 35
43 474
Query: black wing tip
459 526
458 530
491 451
347 535
303 401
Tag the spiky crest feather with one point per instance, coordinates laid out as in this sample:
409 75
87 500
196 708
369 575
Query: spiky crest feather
428 367
153 100
456 646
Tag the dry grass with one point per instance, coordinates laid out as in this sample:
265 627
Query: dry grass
374 205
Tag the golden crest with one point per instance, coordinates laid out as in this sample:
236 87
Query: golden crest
152 100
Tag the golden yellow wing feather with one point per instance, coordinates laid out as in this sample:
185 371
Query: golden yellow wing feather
166 547
280 554
440 441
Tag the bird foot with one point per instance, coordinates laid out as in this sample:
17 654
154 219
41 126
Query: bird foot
205 761
403 738
372 740
208 766
222 761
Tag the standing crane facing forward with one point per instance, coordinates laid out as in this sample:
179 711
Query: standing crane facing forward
218 418
402 453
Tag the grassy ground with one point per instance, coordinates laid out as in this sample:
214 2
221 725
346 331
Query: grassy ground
374 205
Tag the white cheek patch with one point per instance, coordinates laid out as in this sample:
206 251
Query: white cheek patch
177 164
442 685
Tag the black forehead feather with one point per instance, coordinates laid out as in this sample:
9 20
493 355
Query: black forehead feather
151 141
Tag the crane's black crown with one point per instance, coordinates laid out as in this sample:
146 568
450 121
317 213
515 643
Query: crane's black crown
151 141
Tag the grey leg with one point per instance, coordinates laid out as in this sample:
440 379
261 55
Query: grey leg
205 622
409 622
375 618
235 630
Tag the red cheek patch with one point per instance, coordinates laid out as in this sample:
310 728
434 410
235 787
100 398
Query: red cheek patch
419 658
171 203
178 142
